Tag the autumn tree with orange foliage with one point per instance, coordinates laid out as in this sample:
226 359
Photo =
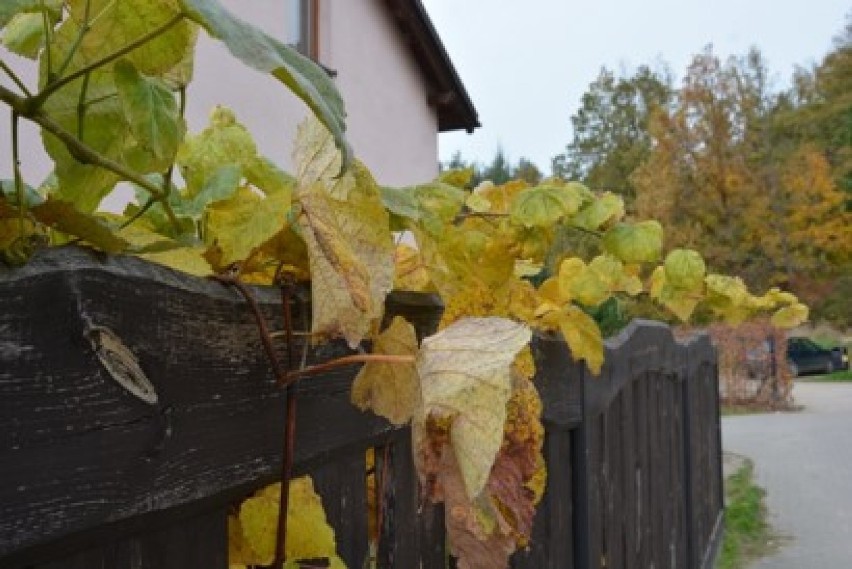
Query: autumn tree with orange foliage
723 180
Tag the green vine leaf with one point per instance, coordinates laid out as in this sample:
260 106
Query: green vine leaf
635 243
223 142
544 205
221 185
151 111
11 8
602 211
465 375
25 35
105 126
401 202
685 269
256 49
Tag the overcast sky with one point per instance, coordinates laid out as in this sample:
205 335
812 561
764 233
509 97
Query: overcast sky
527 64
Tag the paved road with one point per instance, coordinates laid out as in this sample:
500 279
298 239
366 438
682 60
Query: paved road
804 461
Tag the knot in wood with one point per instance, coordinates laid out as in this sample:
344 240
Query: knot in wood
121 363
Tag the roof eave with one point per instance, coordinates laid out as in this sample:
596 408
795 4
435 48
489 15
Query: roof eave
446 90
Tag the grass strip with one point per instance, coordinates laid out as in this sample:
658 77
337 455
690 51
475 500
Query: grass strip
747 534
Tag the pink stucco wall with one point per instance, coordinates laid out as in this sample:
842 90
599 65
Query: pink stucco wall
390 125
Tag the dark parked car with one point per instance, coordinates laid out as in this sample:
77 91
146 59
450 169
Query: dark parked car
805 356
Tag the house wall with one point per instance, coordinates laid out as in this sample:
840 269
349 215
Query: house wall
390 124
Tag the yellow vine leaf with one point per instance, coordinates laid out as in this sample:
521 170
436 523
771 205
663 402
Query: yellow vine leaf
615 276
391 390
411 272
460 177
550 293
243 222
477 203
465 375
728 297
527 268
592 284
531 243
680 301
252 533
790 316
285 247
501 197
776 296
465 255
524 364
516 299
347 233
439 204
147 244
580 332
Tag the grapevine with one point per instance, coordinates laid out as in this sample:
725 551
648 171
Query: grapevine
508 261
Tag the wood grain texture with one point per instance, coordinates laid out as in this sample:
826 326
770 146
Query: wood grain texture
80 452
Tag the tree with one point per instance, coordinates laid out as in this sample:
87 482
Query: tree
726 180
821 109
527 171
611 135
499 171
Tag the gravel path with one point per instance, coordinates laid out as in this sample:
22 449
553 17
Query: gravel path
804 461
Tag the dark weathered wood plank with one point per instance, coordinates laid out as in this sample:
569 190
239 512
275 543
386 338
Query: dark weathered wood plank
89 468
79 451
198 542
342 484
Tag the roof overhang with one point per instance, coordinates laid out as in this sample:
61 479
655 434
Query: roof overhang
446 90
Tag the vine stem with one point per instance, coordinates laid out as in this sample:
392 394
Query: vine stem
82 107
347 361
16 165
48 29
592 232
14 77
82 152
84 29
54 86
289 433
142 211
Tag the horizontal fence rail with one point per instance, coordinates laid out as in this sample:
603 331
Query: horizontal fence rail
108 469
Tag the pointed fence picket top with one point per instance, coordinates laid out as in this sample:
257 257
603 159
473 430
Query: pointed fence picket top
105 467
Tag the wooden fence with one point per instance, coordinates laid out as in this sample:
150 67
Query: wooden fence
95 476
